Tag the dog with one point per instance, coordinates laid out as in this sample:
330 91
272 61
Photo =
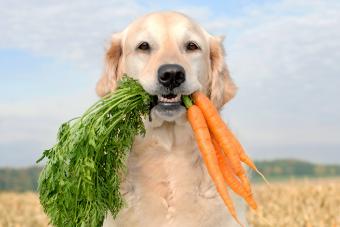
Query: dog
167 184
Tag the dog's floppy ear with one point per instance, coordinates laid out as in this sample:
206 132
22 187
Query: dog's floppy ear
108 80
222 88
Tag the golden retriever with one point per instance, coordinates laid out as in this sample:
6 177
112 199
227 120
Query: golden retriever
167 184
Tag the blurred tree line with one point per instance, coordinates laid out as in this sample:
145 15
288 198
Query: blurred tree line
290 168
25 179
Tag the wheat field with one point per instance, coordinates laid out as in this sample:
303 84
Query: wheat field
298 204
288 204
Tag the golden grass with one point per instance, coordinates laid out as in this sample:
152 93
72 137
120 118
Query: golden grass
288 204
298 204
21 210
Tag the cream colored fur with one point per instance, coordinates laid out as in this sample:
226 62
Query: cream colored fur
167 184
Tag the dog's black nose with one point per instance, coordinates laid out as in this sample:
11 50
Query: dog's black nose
171 75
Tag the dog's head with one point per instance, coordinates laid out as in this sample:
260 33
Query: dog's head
170 55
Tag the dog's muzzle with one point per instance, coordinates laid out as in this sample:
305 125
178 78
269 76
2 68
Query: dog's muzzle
168 104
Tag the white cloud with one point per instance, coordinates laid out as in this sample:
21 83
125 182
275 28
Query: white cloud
285 62
75 30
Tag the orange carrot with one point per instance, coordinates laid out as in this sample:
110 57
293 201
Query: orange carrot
220 132
213 118
203 139
231 179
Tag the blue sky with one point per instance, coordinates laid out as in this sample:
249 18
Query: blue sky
283 55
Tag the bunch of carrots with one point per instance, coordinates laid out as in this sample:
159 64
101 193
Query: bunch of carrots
221 151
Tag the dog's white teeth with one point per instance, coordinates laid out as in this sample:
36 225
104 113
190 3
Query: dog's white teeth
175 99
162 99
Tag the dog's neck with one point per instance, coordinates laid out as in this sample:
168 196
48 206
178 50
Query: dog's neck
172 134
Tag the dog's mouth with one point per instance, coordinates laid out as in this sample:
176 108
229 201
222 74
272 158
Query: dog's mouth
169 99
168 106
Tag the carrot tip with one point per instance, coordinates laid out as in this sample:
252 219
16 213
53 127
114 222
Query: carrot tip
251 202
263 177
238 221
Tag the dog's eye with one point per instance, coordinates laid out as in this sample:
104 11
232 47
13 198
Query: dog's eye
143 46
192 46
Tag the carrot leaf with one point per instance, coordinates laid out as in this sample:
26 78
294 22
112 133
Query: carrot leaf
81 179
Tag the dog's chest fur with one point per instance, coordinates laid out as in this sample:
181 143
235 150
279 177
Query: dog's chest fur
167 184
